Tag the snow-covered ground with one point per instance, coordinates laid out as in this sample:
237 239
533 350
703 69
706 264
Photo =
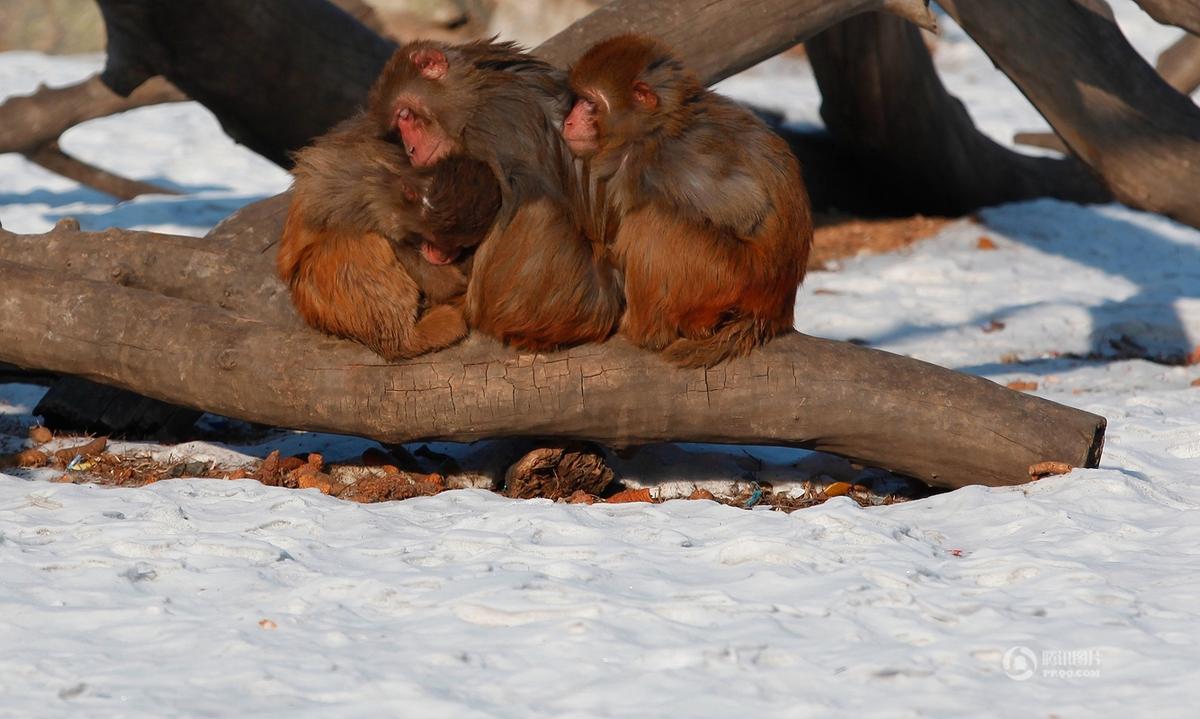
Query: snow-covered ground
1075 596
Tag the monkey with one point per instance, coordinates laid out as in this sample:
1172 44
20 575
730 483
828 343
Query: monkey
358 250
712 220
539 281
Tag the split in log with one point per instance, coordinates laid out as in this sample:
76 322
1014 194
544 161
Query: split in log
1115 113
874 407
882 97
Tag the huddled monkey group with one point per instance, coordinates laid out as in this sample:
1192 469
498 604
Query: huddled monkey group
482 188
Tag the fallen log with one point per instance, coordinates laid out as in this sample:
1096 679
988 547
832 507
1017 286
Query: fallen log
873 407
219 274
1110 107
232 268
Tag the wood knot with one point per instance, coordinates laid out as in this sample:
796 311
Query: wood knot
68 224
227 360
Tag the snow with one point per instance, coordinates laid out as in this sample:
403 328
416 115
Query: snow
218 598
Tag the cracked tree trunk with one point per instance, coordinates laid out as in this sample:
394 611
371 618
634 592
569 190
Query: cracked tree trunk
873 407
719 38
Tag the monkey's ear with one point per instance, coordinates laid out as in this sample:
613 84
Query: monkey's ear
644 96
432 63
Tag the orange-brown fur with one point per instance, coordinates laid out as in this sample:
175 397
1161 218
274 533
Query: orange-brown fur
350 284
707 212
538 282
349 249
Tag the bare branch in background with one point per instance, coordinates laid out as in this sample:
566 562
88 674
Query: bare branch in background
33 124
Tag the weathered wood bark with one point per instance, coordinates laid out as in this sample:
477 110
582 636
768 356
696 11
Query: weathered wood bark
1140 135
882 98
270 82
874 407
719 38
233 268
193 268
1180 64
1182 13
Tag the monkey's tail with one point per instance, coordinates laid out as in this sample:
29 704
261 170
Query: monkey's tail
439 327
735 338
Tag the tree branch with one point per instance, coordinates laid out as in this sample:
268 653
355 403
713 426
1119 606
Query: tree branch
1180 64
31 121
1140 135
210 272
1181 13
882 97
719 38
874 407
51 157
32 124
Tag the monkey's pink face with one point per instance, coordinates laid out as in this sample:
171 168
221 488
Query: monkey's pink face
435 254
424 139
581 129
